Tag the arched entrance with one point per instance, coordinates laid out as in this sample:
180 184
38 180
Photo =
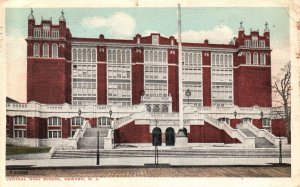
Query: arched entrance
156 136
170 136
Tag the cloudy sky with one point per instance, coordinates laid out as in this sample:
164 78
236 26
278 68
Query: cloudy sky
218 25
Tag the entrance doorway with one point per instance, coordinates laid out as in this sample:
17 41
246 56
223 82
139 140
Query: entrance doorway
156 136
170 136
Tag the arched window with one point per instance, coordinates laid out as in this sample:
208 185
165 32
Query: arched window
255 58
221 60
109 56
155 56
262 59
164 56
195 59
148 107
74 54
226 61
128 56
54 51
89 55
217 60
151 56
146 56
114 55
20 120
225 120
54 121
230 61
79 55
77 121
164 108
103 121
244 120
36 50
118 56
94 55
248 58
123 57
213 59
186 59
190 59
160 56
84 55
155 108
45 50
199 60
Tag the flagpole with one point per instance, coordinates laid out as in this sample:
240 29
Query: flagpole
180 71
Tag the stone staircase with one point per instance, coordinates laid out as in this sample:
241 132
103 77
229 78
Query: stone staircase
176 152
260 142
89 139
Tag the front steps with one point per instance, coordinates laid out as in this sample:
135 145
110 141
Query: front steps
260 142
89 139
174 152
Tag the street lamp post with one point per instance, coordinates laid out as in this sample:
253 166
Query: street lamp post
188 94
235 114
110 113
280 151
79 112
98 153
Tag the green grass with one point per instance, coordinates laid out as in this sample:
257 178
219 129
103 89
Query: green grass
16 150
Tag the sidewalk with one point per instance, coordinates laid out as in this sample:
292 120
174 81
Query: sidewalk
133 161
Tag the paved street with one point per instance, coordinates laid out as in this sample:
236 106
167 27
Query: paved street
195 171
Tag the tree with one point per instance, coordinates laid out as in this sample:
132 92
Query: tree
282 91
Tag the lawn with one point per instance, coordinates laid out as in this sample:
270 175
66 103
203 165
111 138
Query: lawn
16 150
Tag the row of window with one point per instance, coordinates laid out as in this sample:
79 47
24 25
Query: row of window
221 60
191 59
157 108
156 56
156 90
119 72
84 71
119 90
84 55
261 60
37 49
38 33
118 56
254 43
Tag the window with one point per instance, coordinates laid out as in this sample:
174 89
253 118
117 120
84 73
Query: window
77 121
247 43
262 59
20 133
155 108
103 121
244 120
20 120
54 51
248 58
54 121
74 54
94 55
164 108
79 55
54 134
45 50
261 43
255 58
226 120
266 123
37 33
36 50
89 55
84 55
148 107
55 34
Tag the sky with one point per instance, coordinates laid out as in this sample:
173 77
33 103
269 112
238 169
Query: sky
218 25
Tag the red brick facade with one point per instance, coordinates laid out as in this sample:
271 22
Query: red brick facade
132 133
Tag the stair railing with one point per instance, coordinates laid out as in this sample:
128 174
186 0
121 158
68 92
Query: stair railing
266 134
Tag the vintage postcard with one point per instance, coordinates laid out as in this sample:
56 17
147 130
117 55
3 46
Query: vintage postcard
145 92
